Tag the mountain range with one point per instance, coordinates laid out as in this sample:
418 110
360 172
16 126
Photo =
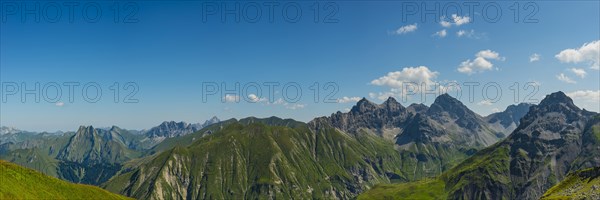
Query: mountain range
373 151
89 155
552 140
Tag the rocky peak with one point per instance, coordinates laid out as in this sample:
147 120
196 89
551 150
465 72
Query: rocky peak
510 116
85 130
450 105
171 129
558 98
8 130
392 105
363 106
417 108
173 124
212 120
557 103
447 102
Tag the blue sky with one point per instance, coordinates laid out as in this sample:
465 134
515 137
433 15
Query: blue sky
170 51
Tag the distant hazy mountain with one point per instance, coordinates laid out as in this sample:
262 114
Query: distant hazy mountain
175 129
508 120
13 135
210 121
8 130
552 139
171 129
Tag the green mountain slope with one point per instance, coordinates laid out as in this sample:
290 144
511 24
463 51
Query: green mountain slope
553 139
423 189
17 182
89 156
583 184
250 159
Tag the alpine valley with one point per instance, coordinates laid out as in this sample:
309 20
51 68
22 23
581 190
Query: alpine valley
373 151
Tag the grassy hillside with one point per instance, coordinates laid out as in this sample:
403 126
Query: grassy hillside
488 164
583 184
17 182
252 160
423 189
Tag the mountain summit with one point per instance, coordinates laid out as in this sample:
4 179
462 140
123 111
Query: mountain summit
553 139
434 137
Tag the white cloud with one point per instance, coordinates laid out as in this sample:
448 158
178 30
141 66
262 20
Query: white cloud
348 99
579 72
588 53
417 75
489 54
407 29
295 106
470 34
254 99
455 20
485 103
480 63
534 57
291 106
279 101
60 104
346 109
441 33
446 24
587 99
585 95
495 110
231 98
410 80
461 33
385 95
562 77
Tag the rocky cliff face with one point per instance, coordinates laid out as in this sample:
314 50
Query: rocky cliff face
552 140
506 122
446 116
430 139
548 144
171 129
381 119
92 155
467 127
